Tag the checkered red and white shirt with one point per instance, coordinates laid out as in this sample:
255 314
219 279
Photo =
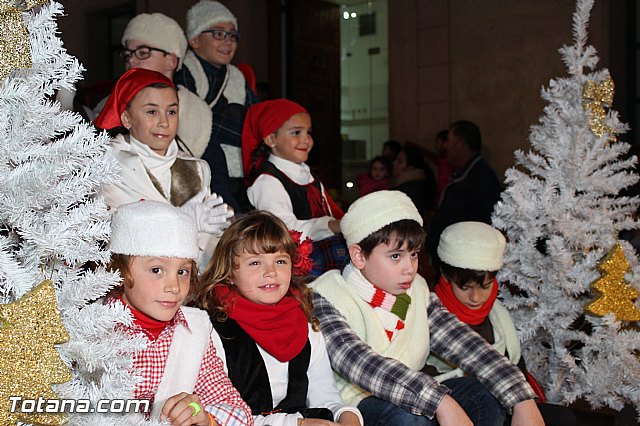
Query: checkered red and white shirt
213 386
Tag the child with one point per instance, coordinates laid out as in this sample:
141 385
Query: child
153 246
213 37
377 178
275 356
383 324
471 254
145 103
276 140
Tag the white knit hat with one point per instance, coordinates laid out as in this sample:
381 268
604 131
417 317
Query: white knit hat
153 228
159 31
205 14
374 211
472 245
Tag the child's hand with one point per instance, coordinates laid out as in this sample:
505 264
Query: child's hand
181 410
449 413
334 226
348 418
211 215
526 413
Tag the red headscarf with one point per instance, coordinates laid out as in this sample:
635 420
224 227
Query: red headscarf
455 306
263 119
127 87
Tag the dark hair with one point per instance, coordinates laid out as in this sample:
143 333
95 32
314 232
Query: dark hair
405 231
462 276
394 146
384 161
468 132
257 232
415 156
443 135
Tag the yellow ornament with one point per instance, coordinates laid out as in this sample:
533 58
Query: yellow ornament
595 98
29 362
15 48
616 295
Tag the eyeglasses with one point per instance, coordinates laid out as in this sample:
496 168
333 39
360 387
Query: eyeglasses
141 53
222 35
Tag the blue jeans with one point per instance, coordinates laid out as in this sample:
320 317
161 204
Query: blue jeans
481 407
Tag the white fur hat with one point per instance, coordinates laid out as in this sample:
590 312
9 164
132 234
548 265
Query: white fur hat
472 245
374 211
159 31
153 228
206 13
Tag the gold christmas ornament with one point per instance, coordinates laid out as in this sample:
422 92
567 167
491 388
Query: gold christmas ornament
15 48
616 295
595 98
29 362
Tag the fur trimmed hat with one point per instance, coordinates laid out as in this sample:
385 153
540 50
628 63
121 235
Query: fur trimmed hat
153 228
374 211
472 245
159 31
206 13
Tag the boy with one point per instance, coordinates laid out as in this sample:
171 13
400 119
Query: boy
471 254
380 324
212 33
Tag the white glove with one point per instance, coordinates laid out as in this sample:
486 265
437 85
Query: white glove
212 215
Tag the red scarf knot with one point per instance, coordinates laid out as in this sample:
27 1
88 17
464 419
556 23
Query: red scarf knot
467 315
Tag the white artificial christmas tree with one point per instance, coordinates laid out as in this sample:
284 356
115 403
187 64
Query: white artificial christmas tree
52 225
562 212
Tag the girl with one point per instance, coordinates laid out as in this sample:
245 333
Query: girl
377 178
145 104
261 310
471 255
276 141
153 246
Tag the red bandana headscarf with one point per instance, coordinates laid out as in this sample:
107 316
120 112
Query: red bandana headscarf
263 119
465 314
279 329
127 87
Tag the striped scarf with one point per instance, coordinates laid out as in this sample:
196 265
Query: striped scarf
392 310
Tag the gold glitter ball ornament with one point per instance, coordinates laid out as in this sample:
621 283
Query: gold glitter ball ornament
15 48
595 98
616 295
29 362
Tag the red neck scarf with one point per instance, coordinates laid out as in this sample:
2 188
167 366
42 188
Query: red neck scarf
261 120
279 329
127 87
464 314
148 324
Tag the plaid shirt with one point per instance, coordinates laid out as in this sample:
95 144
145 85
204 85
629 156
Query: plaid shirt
416 392
213 386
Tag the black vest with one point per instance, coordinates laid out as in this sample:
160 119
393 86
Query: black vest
297 192
248 372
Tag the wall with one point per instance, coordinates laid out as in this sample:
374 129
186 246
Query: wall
480 60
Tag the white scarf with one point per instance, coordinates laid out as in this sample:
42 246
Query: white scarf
158 165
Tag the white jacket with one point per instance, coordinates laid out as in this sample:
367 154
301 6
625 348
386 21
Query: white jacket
136 184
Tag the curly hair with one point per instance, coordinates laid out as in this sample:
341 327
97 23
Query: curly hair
258 232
